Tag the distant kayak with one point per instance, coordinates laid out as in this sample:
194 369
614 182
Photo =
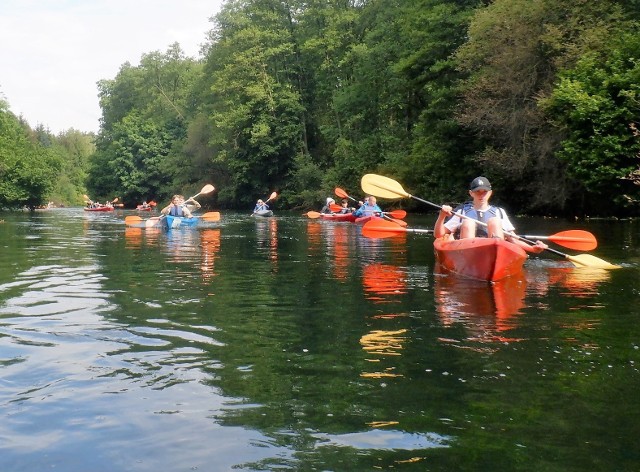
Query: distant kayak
264 213
99 208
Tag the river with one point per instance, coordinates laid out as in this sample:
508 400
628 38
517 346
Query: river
289 343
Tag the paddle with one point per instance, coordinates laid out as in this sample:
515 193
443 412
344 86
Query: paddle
210 216
334 207
394 215
313 214
387 229
395 220
342 194
384 187
577 239
384 229
206 189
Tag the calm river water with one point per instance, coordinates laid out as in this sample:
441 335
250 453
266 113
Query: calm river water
295 344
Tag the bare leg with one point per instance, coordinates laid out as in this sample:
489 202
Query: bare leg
468 229
494 228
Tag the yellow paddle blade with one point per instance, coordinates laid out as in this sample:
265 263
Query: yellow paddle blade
132 219
383 187
312 214
587 260
211 216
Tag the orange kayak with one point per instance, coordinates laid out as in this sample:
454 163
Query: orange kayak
480 258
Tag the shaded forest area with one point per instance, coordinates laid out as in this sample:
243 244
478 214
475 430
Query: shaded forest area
303 96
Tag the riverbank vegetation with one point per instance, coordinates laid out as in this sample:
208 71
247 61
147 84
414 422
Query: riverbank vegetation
300 97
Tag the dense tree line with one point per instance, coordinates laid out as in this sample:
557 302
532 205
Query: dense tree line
301 96
37 167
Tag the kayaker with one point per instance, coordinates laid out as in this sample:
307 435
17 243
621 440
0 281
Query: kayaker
178 207
345 207
326 209
497 222
260 206
368 208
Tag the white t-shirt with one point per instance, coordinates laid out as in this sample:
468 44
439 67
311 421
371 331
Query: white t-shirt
456 221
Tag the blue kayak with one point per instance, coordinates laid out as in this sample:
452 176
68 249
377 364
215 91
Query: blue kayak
180 221
264 213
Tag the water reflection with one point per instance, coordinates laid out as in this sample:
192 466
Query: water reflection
210 244
379 344
487 310
267 239
490 311
314 236
338 240
136 238
382 282
579 282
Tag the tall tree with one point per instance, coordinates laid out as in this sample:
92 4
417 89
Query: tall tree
144 126
513 55
252 100
597 103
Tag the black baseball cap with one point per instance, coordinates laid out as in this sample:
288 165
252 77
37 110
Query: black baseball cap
480 183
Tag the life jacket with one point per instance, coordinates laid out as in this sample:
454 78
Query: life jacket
483 216
176 211
368 210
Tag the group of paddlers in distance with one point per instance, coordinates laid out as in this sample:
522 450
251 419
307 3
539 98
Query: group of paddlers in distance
366 207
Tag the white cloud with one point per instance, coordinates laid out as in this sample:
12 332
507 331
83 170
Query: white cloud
54 51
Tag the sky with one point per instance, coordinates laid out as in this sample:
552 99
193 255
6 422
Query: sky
52 52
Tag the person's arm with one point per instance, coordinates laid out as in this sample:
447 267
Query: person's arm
166 210
194 206
510 235
439 229
536 248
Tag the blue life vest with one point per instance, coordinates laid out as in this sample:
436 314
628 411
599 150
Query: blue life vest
176 211
483 216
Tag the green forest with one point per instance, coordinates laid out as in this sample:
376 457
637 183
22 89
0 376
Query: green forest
301 96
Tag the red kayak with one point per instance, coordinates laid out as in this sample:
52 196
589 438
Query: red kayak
487 259
144 208
99 208
338 217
